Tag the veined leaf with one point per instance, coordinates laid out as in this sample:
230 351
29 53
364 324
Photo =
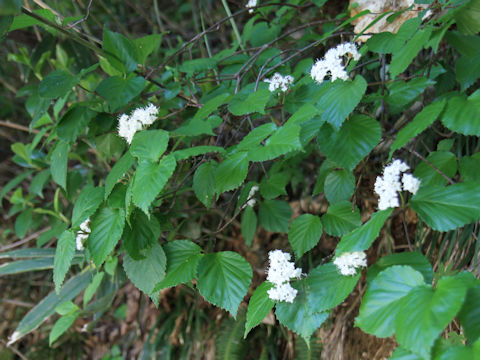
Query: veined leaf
58 163
204 182
415 260
56 84
63 258
258 307
340 219
231 173
117 172
463 115
87 203
304 233
120 51
247 101
339 186
274 215
149 144
118 91
257 135
248 225
285 139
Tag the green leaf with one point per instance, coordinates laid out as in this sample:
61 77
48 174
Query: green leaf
63 258
462 115
403 354
258 307
141 233
274 215
248 225
356 138
284 140
197 127
299 316
467 70
10 7
424 313
117 172
23 222
61 326
17 267
444 161
147 272
146 45
274 185
403 57
415 260
468 18
469 315
183 257
361 238
468 168
14 183
211 105
402 93
381 302
74 122
338 99
256 136
106 230
339 186
119 51
150 179
87 203
327 288
92 288
58 163
231 173
341 219
197 65
419 123
223 279
246 101
45 308
195 151
304 233
118 91
149 144
204 183
447 208
56 84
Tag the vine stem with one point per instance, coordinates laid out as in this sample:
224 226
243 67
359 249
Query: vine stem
234 24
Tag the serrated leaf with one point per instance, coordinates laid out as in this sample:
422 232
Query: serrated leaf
61 326
415 260
356 138
183 257
420 122
149 144
445 161
424 313
211 105
462 115
338 99
469 315
63 258
259 306
248 225
247 101
284 140
304 233
274 185
59 162
195 151
380 304
468 18
340 219
339 186
402 93
147 272
204 183
120 51
118 91
447 208
117 172
274 215
299 316
87 203
146 45
56 84
223 279
92 287
257 135
197 65
141 233
403 57
150 179
231 173
327 288
106 230
74 122
362 237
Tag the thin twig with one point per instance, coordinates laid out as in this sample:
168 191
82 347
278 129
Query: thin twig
442 174
82 19
24 241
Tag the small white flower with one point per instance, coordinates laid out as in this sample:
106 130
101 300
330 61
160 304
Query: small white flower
283 292
280 272
251 4
332 63
388 185
140 118
83 234
251 201
410 183
279 82
348 262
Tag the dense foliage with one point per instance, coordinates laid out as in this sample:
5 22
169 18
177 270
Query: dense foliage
150 155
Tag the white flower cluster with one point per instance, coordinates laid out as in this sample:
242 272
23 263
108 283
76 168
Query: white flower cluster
251 4
279 81
279 273
388 185
348 262
332 63
140 117
251 201
83 234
